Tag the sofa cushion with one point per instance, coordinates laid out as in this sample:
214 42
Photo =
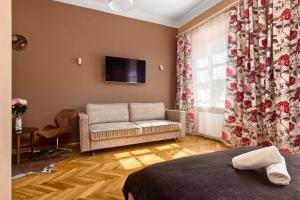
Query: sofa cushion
146 111
104 113
114 130
158 126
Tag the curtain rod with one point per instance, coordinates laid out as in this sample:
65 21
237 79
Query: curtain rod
210 18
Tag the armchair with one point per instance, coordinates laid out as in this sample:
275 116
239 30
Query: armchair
63 126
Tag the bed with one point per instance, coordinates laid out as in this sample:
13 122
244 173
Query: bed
210 177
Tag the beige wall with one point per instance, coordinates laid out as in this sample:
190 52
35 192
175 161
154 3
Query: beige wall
202 17
5 96
46 72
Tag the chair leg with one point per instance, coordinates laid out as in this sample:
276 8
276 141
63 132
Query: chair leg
59 148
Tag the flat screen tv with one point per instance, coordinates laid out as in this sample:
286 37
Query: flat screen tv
125 70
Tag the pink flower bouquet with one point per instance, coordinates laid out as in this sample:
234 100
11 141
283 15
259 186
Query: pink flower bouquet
19 107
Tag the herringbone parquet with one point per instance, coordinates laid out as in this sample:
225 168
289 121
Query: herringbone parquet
101 176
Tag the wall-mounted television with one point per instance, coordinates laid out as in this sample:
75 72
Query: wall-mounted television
125 70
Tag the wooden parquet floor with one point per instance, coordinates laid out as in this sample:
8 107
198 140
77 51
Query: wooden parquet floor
101 176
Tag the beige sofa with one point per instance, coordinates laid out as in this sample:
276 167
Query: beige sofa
119 124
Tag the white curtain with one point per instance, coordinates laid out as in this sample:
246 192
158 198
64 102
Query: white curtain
209 58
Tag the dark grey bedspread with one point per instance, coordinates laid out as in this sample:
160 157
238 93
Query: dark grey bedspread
210 177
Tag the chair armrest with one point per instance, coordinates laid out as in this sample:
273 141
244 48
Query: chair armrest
49 127
177 116
85 143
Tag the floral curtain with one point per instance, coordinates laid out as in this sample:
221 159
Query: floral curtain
263 79
184 87
284 53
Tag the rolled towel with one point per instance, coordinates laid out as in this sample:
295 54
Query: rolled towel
257 159
278 174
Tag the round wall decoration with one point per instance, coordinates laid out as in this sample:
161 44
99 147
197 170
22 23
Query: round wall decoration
19 42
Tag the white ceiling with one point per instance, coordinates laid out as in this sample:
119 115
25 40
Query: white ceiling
173 13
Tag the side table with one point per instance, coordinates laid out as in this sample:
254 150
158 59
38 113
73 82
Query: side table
25 130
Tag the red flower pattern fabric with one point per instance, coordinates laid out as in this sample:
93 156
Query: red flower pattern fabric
184 87
263 75
285 34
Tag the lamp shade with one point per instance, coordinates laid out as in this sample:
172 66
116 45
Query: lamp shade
120 5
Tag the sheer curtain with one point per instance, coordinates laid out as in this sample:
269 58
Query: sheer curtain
209 58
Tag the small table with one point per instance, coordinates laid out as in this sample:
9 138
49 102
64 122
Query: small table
25 130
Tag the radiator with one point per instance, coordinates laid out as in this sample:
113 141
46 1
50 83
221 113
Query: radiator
209 124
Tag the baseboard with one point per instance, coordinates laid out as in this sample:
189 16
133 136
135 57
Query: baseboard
44 147
206 136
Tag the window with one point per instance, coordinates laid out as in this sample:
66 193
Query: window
209 58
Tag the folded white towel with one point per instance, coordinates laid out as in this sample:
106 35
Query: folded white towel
278 174
257 159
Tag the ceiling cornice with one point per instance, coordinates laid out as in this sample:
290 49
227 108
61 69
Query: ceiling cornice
136 14
199 9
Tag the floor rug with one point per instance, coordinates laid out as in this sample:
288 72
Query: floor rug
37 162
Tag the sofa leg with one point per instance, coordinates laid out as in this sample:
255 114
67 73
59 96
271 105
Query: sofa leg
94 153
175 139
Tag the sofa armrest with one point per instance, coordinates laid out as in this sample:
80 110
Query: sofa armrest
84 132
177 116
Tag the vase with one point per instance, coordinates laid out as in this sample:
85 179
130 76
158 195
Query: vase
18 124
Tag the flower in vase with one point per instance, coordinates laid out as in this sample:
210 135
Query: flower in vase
19 107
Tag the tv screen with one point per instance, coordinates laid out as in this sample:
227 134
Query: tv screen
125 70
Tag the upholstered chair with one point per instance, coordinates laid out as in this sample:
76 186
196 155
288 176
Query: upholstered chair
63 121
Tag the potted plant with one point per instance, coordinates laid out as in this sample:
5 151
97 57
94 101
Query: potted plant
19 107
